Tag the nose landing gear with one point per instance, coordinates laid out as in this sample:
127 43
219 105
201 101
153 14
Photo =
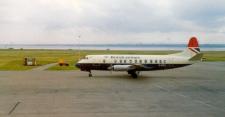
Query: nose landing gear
90 74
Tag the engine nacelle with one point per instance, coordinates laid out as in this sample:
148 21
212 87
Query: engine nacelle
122 67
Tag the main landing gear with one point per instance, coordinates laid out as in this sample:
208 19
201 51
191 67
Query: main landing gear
134 74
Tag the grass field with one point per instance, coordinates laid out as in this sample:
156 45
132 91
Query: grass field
13 59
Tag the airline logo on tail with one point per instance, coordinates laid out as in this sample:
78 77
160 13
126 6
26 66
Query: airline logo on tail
193 45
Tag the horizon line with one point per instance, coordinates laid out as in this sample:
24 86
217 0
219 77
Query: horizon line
116 44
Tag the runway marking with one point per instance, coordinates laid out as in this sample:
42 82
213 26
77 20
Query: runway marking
14 107
198 101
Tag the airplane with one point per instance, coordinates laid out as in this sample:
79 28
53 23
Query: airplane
133 64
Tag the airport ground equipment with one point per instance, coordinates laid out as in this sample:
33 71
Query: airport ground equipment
29 61
63 63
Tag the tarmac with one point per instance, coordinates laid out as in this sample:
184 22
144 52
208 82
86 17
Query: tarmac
44 67
194 91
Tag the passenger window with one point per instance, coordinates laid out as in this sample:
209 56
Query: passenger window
130 61
160 61
156 61
104 61
164 61
150 61
121 61
146 61
115 61
135 61
125 61
140 61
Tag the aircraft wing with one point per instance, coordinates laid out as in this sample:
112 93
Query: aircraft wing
139 66
131 67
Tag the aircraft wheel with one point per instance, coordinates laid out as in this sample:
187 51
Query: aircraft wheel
134 75
129 72
90 74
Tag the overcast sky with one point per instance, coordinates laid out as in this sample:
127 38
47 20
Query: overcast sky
111 21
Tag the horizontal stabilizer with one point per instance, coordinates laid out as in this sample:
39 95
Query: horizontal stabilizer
197 57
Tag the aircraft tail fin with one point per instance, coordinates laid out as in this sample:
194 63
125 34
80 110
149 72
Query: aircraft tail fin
193 45
193 50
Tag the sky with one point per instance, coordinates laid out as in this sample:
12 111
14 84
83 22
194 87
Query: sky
111 21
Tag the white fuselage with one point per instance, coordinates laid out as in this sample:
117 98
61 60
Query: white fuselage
135 59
